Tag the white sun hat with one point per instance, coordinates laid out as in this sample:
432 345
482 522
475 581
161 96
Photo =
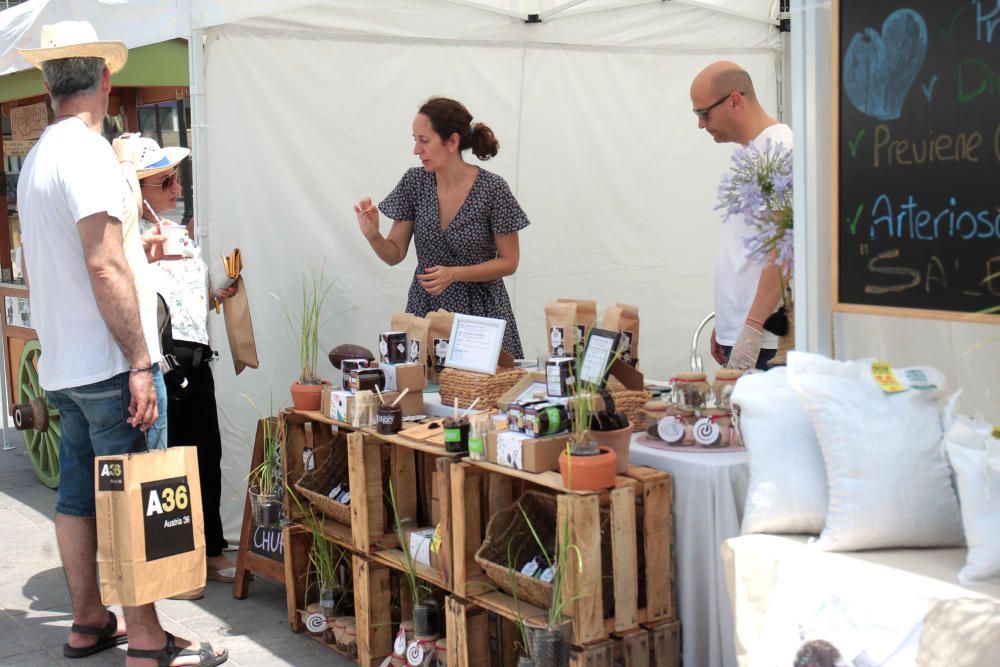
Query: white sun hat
75 39
151 160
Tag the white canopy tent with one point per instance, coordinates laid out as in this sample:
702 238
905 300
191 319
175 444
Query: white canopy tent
302 108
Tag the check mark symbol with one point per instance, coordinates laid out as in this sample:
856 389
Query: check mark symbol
950 30
854 222
852 144
928 87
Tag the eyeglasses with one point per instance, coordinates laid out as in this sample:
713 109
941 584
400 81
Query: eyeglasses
166 184
703 113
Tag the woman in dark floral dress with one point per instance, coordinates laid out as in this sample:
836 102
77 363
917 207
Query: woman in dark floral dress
463 221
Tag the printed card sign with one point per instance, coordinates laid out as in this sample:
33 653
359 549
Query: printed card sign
167 521
111 475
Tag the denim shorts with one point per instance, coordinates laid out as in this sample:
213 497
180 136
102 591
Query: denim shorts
92 418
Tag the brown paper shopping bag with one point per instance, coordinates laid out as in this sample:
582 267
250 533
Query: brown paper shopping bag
150 529
242 345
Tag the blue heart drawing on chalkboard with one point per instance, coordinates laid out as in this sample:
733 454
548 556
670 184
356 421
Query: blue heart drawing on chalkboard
880 68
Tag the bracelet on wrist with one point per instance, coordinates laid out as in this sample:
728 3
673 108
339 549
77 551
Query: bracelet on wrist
140 370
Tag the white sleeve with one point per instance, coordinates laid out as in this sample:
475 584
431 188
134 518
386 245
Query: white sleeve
93 180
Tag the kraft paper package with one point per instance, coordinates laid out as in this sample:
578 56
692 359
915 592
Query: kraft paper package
625 318
438 336
150 529
586 317
560 328
239 329
416 329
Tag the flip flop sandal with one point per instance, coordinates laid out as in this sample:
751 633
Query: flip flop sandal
105 639
163 657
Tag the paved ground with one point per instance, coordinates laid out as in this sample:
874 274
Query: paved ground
34 605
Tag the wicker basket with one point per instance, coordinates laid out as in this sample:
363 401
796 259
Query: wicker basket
467 386
316 484
509 527
631 402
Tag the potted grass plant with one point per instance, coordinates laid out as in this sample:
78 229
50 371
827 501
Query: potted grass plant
548 637
585 465
264 483
325 561
523 660
425 609
307 391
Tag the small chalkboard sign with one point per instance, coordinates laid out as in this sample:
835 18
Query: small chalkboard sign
261 550
268 542
916 205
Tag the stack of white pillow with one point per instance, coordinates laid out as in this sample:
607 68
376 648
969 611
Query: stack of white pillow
832 454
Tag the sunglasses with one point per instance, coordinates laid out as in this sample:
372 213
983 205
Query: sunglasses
166 184
703 113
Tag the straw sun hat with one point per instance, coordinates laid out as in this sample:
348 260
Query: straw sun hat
75 39
151 160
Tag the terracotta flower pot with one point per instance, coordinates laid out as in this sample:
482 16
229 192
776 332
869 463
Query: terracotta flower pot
618 442
589 473
307 396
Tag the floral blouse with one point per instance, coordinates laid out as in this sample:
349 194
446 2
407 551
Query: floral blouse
184 286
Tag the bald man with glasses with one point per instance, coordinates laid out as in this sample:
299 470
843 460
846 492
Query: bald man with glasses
747 291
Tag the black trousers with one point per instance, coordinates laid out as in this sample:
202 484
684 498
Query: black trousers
194 420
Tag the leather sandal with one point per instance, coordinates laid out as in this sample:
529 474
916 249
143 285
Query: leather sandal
166 655
105 638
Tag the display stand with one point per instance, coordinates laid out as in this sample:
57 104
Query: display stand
261 550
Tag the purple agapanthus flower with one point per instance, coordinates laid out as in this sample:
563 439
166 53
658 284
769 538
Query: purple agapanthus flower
757 189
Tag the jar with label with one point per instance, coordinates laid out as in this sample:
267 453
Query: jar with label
456 435
389 419
479 428
366 379
711 431
547 420
559 373
722 388
690 390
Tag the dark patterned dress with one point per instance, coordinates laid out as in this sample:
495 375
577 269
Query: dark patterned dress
490 209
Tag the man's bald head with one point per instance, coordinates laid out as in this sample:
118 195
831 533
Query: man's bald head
724 77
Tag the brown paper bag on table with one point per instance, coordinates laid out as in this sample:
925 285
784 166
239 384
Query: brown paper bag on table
624 318
586 317
150 529
239 329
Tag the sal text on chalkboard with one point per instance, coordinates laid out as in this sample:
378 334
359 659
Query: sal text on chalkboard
918 153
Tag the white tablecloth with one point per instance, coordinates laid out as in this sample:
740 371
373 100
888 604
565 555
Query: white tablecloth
709 491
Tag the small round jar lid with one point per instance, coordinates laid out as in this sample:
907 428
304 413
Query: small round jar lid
655 406
691 376
727 374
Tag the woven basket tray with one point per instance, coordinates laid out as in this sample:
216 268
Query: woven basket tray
630 401
314 485
467 386
509 527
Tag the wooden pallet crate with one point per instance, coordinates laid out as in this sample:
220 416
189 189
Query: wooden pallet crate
469 643
482 486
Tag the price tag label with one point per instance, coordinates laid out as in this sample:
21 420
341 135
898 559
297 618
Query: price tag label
399 645
917 379
436 540
886 378
414 654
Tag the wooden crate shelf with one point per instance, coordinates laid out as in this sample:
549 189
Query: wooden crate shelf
632 529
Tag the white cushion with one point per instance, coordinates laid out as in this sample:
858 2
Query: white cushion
888 481
979 493
787 489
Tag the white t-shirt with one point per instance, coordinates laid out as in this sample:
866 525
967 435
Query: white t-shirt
736 276
70 174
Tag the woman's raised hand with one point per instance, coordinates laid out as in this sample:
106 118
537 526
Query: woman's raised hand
367 218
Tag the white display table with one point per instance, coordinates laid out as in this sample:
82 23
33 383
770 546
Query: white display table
709 491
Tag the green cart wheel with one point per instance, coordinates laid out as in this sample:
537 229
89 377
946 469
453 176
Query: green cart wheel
42 440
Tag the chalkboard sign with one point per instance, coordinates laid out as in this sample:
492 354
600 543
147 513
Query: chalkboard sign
917 217
268 542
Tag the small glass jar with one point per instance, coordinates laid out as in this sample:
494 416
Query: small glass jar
722 388
690 390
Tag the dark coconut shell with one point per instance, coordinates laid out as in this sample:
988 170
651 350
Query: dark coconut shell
349 351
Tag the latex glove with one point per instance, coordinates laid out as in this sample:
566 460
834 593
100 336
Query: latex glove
126 147
746 349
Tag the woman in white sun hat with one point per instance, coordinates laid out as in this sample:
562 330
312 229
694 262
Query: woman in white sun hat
184 283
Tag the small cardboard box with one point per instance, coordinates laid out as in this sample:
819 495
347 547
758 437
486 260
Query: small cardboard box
525 389
519 451
340 404
412 403
404 376
422 546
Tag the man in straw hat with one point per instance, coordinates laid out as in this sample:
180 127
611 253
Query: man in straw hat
96 347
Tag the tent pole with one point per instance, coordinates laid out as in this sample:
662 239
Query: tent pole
199 150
